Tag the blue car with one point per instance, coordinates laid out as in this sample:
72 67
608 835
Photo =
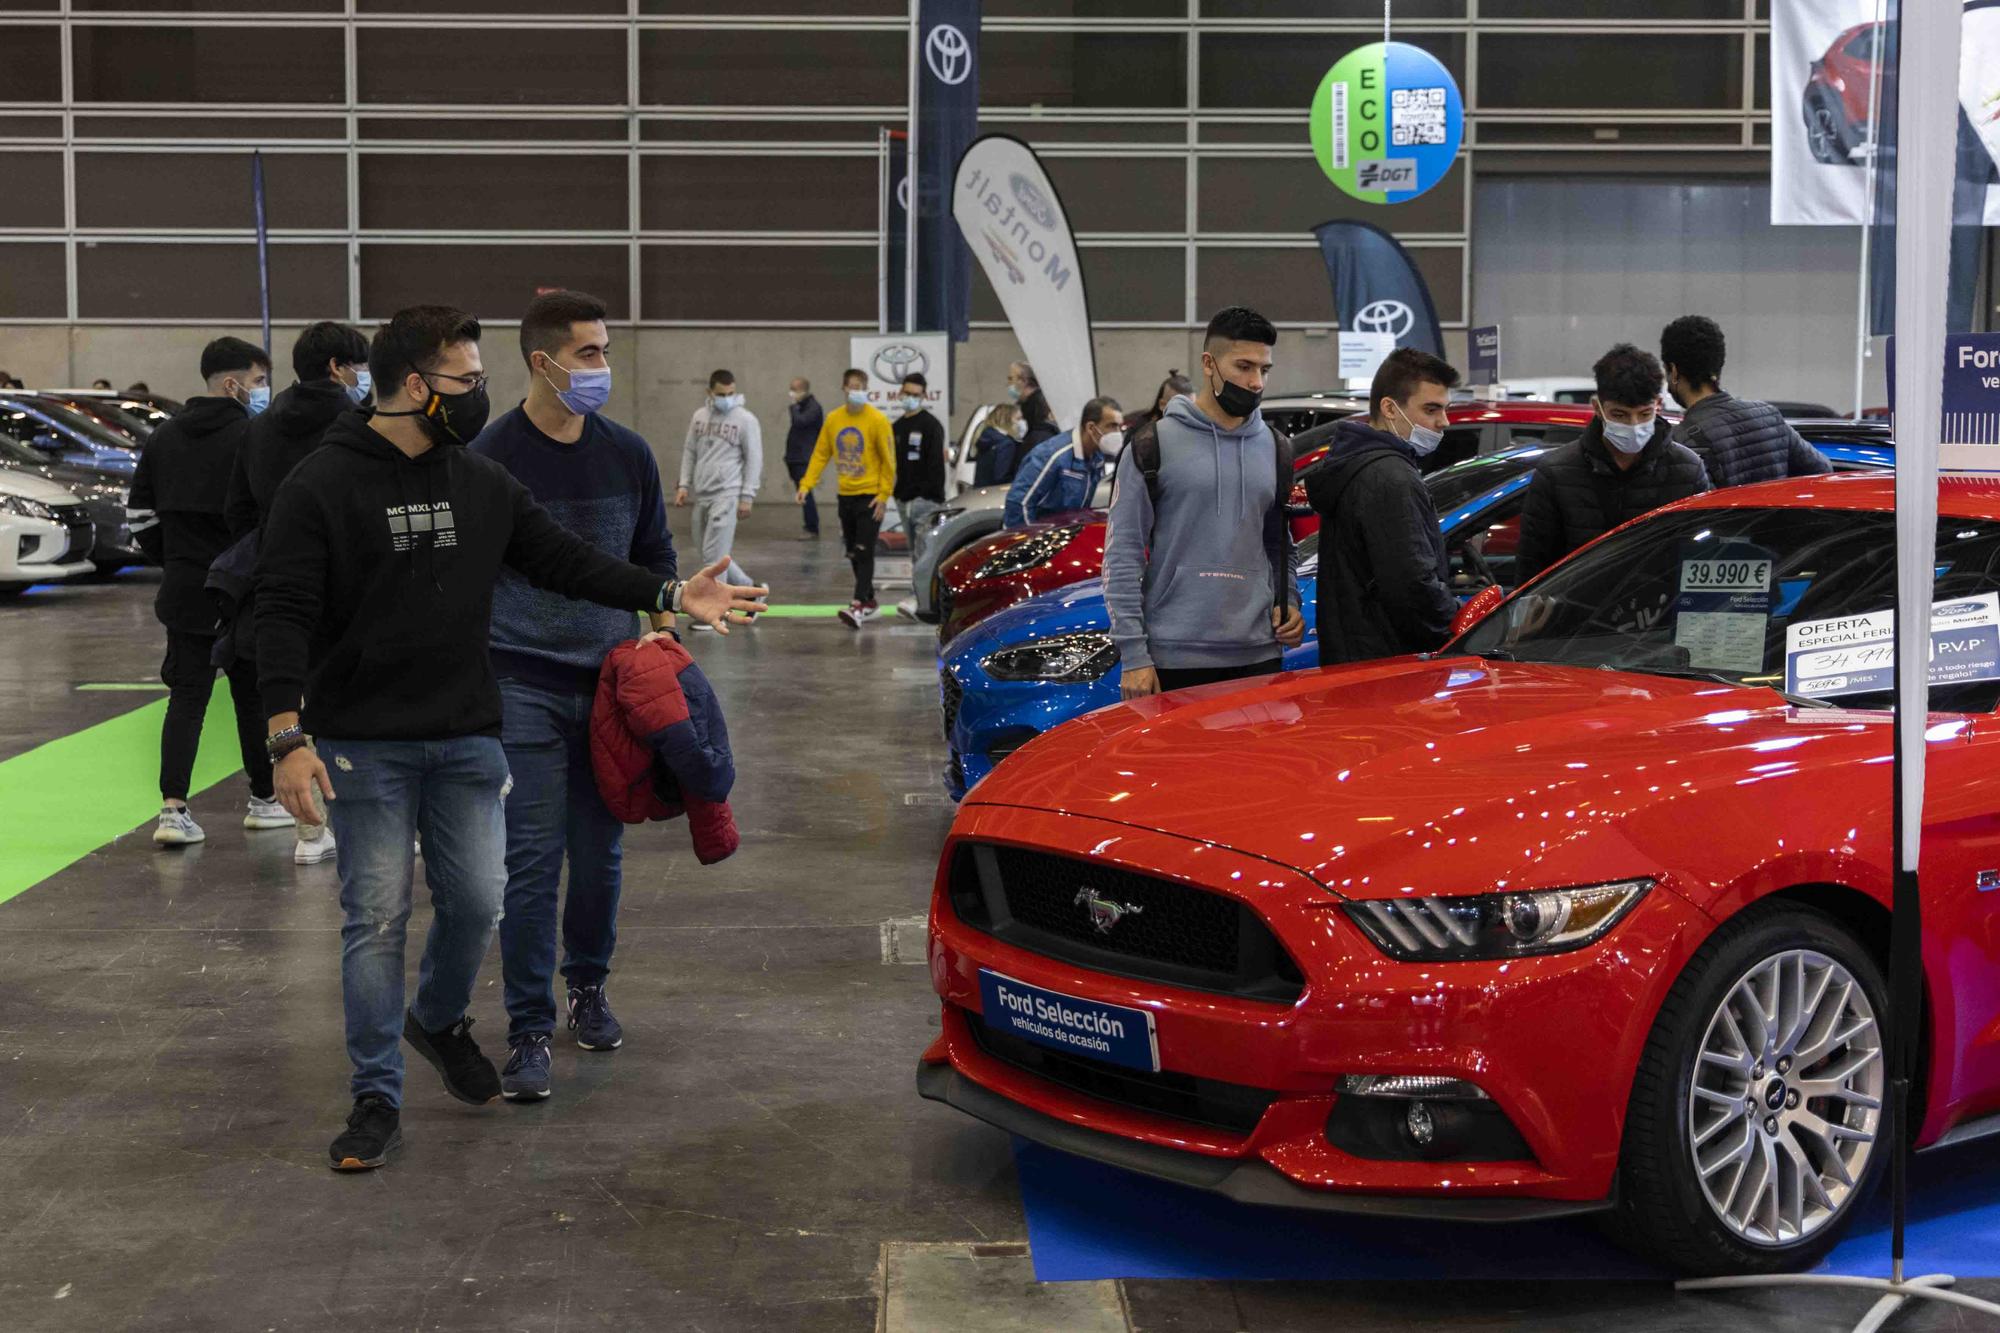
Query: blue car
1044 661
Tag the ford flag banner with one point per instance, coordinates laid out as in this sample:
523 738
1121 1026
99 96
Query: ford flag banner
1014 221
1376 286
1832 71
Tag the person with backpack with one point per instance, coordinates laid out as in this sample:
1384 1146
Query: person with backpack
1198 573
1384 580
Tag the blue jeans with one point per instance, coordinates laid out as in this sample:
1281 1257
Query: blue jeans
385 794
553 811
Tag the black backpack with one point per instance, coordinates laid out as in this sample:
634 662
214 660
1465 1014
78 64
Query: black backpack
1145 448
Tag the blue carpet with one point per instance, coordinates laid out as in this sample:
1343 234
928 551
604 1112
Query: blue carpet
1089 1221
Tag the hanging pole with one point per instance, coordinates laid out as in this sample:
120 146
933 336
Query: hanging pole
1863 344
1385 20
885 183
263 244
910 174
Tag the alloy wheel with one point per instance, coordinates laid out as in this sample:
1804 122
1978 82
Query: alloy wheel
1785 1098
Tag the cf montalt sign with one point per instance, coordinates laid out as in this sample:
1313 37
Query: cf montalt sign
1386 122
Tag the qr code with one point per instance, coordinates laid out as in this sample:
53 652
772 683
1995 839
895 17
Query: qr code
1416 117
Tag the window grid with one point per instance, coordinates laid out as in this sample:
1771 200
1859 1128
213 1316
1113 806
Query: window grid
1272 133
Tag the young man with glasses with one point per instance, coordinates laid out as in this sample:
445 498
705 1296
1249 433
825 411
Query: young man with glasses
378 568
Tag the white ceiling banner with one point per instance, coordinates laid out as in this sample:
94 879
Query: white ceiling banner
1824 66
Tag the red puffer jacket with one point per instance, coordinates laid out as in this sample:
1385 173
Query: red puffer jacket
659 745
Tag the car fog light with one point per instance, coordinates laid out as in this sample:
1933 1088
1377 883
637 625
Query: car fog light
1417 1121
1433 1087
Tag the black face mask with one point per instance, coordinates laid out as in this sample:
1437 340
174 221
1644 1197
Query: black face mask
1236 400
454 418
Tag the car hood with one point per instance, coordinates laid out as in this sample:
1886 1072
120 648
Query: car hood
979 497
1453 773
34 488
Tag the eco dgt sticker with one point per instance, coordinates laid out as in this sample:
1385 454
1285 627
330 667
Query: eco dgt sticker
1386 122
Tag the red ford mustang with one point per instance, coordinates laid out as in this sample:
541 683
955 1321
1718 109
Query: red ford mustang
1586 913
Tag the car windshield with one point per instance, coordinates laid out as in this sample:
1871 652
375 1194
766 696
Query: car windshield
1796 599
1466 481
14 453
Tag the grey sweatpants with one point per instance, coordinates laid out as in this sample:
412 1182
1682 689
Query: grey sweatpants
715 530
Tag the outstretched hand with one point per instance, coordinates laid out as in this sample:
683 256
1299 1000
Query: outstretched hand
717 604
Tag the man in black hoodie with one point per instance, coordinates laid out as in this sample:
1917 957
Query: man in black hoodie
331 362
1384 584
376 582
1626 464
176 511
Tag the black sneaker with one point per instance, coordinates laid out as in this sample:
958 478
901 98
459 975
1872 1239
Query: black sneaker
468 1075
374 1130
526 1077
591 1020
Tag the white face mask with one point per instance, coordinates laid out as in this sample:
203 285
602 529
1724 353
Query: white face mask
1111 442
1625 439
1019 430
794 394
858 397
1423 441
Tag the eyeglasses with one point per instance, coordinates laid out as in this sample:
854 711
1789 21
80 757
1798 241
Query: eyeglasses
469 381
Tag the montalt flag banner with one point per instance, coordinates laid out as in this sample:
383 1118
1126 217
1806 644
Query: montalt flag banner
1014 221
1376 286
1832 72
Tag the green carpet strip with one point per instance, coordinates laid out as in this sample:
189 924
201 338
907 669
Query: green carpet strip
62 801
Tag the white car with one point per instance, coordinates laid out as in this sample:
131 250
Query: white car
1549 389
45 535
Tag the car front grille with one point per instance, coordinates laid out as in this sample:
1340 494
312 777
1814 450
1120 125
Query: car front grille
943 603
1202 1101
1162 930
951 696
82 533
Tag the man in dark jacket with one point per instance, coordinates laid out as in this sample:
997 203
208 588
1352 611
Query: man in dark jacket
1625 465
801 434
1739 440
376 582
920 470
331 363
1024 390
176 508
1384 582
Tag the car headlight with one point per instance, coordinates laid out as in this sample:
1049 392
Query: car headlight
1069 658
1496 925
26 508
1029 552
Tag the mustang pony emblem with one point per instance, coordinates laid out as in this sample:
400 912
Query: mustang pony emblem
1104 913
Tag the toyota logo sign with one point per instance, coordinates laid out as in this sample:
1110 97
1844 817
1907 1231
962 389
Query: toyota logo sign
948 54
1391 317
896 360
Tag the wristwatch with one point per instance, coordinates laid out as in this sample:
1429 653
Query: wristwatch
281 743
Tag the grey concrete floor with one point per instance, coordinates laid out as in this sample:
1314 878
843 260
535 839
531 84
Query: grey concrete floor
755 1157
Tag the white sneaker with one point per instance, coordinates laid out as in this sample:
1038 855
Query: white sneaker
858 614
907 608
311 850
177 828
267 814
419 848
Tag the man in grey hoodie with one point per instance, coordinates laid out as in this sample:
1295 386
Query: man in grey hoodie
1198 559
721 464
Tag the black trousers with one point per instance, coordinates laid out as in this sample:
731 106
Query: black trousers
810 508
1179 678
858 529
190 680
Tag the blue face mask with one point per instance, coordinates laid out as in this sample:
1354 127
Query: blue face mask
912 404
260 398
726 402
858 397
589 390
364 384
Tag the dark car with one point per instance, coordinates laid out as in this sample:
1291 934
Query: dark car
103 487
134 417
101 431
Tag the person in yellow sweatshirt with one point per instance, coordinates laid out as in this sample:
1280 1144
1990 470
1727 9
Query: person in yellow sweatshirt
857 439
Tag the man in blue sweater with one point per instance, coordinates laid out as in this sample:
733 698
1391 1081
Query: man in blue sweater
600 481
1061 473
1198 573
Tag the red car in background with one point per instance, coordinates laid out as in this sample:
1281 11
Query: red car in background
1586 912
1835 102
1012 566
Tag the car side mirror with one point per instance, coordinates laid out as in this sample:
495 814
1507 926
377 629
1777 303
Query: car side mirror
1477 609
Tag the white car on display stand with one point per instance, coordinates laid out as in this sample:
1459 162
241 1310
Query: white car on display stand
45 535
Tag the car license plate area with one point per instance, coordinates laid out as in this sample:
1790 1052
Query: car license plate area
1114 1033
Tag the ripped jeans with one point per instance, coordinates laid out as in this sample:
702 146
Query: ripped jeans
386 793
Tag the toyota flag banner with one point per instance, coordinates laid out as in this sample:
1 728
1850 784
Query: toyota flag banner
947 121
1376 286
1015 223
1832 66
